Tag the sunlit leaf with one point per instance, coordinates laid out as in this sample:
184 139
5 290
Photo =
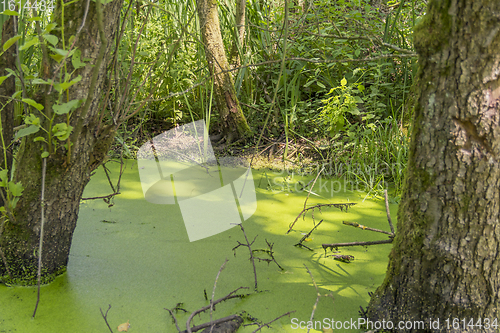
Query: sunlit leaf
49 28
56 57
66 107
10 12
45 154
34 104
51 39
65 85
10 42
30 43
3 78
343 82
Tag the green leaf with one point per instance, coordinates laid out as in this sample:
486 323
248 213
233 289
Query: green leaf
16 188
10 42
36 18
16 94
51 39
26 131
343 82
10 12
39 81
49 28
34 104
39 138
3 78
321 85
30 43
62 131
308 83
56 57
31 119
60 51
76 60
66 107
3 177
45 154
65 85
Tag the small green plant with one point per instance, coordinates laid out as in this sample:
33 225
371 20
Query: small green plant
344 101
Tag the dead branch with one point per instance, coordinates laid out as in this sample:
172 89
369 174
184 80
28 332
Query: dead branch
340 206
336 245
267 324
105 317
357 225
178 307
248 244
388 212
308 194
107 198
213 291
215 322
205 308
317 297
307 236
269 252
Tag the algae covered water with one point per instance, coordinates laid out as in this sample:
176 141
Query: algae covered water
136 256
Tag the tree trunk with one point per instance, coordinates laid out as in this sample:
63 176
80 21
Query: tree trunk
234 124
239 42
66 176
7 88
444 263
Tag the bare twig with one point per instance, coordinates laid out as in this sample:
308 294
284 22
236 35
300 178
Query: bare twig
335 245
205 308
177 307
40 245
105 317
116 191
267 324
215 322
340 206
317 297
307 235
357 225
248 244
213 293
388 212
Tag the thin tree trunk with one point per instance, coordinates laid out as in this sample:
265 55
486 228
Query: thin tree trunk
7 88
66 178
444 263
239 42
234 124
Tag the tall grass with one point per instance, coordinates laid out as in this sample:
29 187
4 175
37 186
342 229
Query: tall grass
373 159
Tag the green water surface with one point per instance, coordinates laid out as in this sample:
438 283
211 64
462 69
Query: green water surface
136 257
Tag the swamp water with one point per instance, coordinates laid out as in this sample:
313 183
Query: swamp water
136 257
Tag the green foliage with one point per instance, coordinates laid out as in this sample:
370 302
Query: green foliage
344 100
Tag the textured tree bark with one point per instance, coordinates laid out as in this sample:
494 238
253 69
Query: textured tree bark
7 88
234 124
239 43
64 181
445 260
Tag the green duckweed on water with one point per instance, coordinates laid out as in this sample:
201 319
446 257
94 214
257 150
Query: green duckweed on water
136 257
